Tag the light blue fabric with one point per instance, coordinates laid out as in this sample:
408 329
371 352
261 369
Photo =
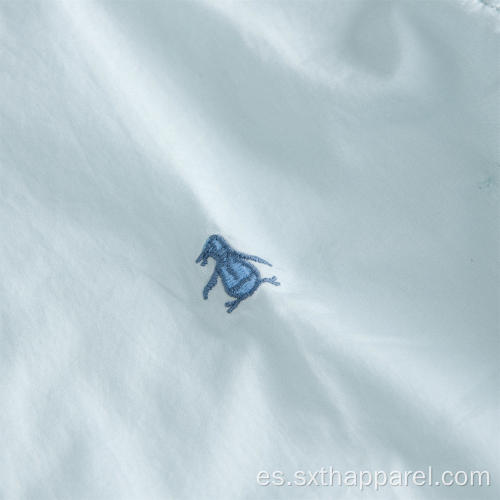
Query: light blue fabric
352 144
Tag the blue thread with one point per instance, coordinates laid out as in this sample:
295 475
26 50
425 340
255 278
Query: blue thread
239 277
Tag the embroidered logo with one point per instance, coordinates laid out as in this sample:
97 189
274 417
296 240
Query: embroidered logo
239 277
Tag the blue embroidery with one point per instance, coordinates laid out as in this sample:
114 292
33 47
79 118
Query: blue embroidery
239 277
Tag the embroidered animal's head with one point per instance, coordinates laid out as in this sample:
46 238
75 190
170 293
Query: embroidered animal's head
214 247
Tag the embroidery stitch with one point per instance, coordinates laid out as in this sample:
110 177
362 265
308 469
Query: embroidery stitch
239 278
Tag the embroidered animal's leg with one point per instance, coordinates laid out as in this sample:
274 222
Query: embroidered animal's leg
271 280
211 283
254 258
232 305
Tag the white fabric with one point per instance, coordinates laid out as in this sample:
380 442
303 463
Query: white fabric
352 144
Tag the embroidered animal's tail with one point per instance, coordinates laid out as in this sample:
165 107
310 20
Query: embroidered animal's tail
271 280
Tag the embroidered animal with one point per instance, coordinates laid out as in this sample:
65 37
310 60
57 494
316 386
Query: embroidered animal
239 277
